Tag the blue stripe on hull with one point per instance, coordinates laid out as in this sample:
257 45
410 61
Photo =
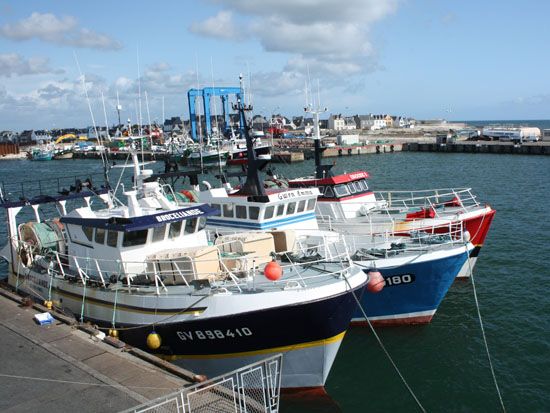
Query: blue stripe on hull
260 225
430 282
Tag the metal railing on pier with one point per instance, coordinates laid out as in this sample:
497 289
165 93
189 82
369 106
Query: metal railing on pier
254 388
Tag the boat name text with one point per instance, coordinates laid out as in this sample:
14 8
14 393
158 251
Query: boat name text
179 214
214 334
399 279
293 194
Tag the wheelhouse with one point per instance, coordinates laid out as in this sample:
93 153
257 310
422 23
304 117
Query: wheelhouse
279 209
338 187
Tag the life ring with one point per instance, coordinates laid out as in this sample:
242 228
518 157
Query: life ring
189 195
349 151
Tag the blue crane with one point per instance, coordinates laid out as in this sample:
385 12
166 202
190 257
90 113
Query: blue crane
206 94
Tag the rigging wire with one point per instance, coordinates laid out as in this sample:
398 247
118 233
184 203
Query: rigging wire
484 336
411 392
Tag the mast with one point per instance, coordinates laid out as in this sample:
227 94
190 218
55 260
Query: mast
321 171
253 185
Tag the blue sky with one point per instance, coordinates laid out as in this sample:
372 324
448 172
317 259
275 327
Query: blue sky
426 58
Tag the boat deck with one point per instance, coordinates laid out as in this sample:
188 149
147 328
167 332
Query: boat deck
58 367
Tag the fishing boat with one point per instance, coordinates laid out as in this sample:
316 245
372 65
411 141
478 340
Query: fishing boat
238 151
147 271
41 154
210 155
63 154
417 268
349 205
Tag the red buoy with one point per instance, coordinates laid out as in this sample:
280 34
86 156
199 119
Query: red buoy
376 281
273 271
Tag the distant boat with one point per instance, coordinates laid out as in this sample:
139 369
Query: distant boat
208 156
41 154
63 154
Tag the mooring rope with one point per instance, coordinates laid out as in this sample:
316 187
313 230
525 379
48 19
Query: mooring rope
14 376
483 333
384 348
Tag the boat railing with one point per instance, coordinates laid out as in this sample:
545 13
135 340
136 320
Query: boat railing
16 191
434 198
184 270
390 244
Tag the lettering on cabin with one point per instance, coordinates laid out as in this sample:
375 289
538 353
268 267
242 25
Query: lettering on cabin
357 175
177 215
294 194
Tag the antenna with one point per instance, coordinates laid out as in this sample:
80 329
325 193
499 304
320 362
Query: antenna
105 114
199 113
118 109
139 93
163 119
149 120
103 158
216 121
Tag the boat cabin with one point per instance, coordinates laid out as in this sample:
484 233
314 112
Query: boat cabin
289 209
341 196
112 239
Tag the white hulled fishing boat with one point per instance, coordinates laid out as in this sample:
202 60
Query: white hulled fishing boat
148 270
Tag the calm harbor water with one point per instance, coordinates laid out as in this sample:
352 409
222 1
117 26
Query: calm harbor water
444 362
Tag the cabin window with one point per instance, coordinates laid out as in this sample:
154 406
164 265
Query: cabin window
134 238
269 212
158 233
253 212
341 190
112 238
302 205
100 235
89 232
311 204
190 225
174 230
228 210
291 208
241 211
365 184
216 206
351 187
280 210
202 223
329 193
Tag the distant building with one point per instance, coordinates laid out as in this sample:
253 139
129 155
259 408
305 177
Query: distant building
8 136
336 122
27 137
174 124
363 122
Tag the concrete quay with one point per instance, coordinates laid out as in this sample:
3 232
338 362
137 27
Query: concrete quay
60 367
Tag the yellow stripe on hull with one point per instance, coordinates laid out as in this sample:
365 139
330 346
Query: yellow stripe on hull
282 349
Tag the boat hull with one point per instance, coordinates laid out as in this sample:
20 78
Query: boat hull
209 335
211 160
413 291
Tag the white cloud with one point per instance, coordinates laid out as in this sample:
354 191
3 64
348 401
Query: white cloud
62 30
332 35
13 64
219 26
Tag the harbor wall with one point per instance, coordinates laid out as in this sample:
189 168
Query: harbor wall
535 148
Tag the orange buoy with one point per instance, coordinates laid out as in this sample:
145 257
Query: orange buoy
273 271
376 281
